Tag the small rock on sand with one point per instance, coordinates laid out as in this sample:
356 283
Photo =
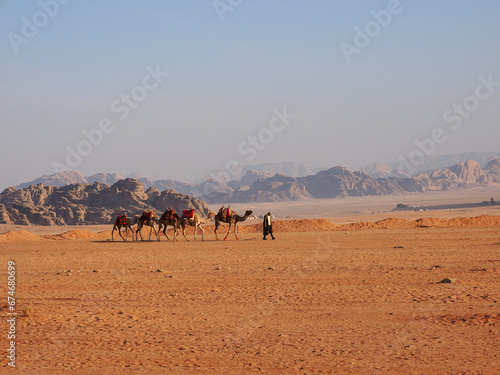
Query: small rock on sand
447 281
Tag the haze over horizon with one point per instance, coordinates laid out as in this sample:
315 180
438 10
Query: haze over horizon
174 89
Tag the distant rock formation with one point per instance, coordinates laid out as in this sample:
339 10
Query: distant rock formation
72 177
95 203
379 170
56 179
433 162
492 170
340 182
248 179
105 178
287 168
254 186
458 176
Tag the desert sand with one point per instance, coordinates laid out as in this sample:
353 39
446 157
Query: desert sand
344 297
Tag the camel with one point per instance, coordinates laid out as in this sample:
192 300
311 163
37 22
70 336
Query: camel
124 221
147 219
196 222
234 219
174 221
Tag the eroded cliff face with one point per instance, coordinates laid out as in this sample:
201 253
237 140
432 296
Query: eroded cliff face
99 202
95 203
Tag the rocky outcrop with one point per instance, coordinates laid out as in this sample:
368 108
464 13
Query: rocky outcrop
377 170
340 182
95 203
248 179
56 179
253 187
72 177
461 175
492 171
105 178
469 172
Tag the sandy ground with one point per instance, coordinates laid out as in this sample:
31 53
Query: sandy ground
330 301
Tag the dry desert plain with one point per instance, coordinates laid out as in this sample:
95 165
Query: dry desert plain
338 296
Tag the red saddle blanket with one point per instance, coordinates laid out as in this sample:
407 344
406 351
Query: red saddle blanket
168 214
225 212
122 220
147 215
188 214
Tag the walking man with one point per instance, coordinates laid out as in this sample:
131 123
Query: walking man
268 226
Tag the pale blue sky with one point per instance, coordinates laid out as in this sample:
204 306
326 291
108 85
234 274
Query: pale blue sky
226 77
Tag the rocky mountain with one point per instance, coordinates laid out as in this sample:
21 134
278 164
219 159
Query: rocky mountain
340 182
433 162
381 170
458 176
492 170
56 179
95 203
105 178
286 168
72 177
248 179
429 164
254 186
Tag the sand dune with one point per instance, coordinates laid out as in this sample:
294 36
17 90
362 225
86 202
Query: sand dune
303 225
19 235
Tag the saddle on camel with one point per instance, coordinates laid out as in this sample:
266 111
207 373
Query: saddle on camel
226 213
188 214
169 214
122 220
147 215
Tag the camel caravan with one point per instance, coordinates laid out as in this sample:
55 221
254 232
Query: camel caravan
179 223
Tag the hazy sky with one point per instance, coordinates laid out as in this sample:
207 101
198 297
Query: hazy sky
173 89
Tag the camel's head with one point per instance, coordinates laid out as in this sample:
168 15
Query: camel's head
211 214
248 213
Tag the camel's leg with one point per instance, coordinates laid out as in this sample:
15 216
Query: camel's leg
159 230
153 228
236 230
183 226
131 231
202 233
215 230
177 227
113 231
176 233
195 229
165 225
138 232
157 234
120 233
228 231
165 232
